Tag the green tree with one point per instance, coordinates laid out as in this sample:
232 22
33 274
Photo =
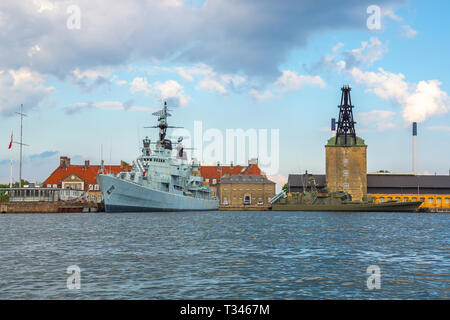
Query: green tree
285 188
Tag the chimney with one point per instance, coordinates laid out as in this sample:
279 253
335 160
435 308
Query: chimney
86 164
414 147
218 165
231 165
333 127
64 162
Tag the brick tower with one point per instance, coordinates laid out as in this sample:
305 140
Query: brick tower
346 154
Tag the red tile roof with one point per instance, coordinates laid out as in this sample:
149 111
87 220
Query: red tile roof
216 172
89 174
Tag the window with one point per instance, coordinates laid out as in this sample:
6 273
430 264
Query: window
96 187
438 200
49 185
345 161
422 199
346 187
55 185
381 199
214 181
430 200
389 199
345 173
91 187
397 198
447 200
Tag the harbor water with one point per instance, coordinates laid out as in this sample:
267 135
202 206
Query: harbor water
225 255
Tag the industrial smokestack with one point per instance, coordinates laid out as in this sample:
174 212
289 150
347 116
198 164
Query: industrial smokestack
333 127
414 132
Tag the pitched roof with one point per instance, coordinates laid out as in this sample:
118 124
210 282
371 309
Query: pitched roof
89 174
296 180
247 179
216 172
385 180
407 181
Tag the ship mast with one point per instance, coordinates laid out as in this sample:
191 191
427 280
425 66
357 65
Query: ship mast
21 143
163 125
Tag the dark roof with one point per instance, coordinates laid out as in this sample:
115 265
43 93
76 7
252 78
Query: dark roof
407 181
385 181
296 180
246 179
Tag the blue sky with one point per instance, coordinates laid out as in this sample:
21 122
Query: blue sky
230 64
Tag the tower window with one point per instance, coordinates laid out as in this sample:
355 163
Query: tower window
345 173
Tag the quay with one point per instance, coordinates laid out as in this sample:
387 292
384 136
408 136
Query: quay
47 207
244 207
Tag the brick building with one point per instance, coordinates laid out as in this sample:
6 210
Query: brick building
346 167
81 177
251 189
213 174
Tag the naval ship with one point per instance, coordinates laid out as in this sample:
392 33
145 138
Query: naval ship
313 200
158 181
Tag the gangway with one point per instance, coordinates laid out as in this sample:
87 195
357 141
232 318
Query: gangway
278 196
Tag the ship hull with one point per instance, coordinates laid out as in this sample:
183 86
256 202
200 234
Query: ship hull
378 207
125 196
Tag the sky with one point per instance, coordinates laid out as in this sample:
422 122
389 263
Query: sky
90 73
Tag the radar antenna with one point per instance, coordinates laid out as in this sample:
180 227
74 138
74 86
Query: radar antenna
162 119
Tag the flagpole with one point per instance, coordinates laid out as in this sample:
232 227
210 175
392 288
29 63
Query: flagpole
10 148
11 173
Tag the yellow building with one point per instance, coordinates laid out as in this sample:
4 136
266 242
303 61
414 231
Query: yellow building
433 190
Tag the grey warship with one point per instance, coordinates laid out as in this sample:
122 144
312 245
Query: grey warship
158 181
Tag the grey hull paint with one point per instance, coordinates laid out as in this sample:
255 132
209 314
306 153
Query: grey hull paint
132 197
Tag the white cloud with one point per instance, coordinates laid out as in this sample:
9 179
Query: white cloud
210 79
22 86
290 81
105 105
426 100
379 119
170 91
140 84
409 32
212 85
419 101
261 96
369 52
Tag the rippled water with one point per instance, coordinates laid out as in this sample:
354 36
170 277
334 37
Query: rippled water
225 255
